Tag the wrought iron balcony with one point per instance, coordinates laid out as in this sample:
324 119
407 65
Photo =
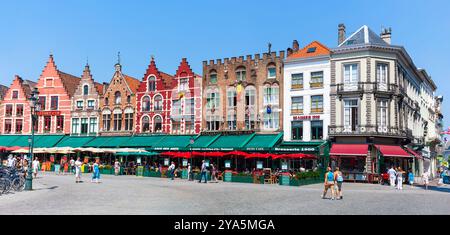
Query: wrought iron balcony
368 130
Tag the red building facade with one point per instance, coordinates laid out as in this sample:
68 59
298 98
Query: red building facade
169 104
56 89
15 108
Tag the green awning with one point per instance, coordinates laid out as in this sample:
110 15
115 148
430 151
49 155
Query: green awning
74 142
262 142
230 142
148 154
204 141
142 141
9 140
40 141
108 142
173 142
46 141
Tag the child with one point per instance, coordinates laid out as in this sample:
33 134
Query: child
411 178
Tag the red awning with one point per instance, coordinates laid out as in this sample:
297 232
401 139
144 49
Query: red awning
237 153
10 149
414 153
349 150
392 151
208 154
294 156
258 155
181 155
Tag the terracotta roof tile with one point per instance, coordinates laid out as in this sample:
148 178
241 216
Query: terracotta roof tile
99 87
70 82
320 50
133 83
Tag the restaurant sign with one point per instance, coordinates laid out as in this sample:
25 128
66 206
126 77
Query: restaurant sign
300 149
48 113
307 117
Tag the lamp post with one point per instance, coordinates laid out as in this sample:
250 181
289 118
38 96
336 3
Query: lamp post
33 107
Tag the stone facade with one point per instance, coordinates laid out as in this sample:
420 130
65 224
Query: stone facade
244 94
86 106
118 104
15 110
56 89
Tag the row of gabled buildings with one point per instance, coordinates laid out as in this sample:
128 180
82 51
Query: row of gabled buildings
365 96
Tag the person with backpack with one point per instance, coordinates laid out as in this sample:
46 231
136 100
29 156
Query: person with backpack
339 179
329 183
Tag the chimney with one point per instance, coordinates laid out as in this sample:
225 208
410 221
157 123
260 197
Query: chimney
386 35
295 46
341 33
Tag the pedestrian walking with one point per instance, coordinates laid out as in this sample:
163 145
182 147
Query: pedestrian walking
171 170
116 167
189 172
339 179
72 166
426 179
392 176
35 166
411 178
329 183
203 172
400 173
213 173
95 173
78 164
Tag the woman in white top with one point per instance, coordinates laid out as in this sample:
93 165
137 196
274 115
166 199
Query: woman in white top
78 164
35 166
400 173
425 179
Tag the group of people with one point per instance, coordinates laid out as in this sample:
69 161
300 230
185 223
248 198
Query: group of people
396 176
173 172
333 181
21 164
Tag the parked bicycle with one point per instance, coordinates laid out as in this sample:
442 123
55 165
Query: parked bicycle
11 179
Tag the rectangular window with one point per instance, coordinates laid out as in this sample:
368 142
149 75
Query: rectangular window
117 122
176 108
241 75
271 121
80 104
91 104
382 76
317 104
316 130
42 102
232 99
128 121
297 105
49 82
184 84
54 103
176 127
213 78
316 79
272 73
75 125
93 125
84 126
351 77
297 130
106 122
8 126
59 123
232 121
190 128
8 110
382 116
15 95
297 81
19 126
351 115
47 123
19 110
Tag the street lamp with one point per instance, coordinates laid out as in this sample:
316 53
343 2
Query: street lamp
33 106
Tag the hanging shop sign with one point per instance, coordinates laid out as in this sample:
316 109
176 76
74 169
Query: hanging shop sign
284 166
307 117
185 162
166 161
259 165
207 163
228 164
138 160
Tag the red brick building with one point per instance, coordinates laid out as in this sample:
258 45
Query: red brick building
169 104
56 89
15 108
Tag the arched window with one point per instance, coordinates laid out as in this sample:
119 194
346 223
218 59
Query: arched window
158 103
145 124
157 123
151 83
213 77
241 74
85 90
117 98
250 107
146 104
271 71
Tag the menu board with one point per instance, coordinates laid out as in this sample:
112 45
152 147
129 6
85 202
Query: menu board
259 165
284 166
138 160
227 164
166 161
207 163
185 162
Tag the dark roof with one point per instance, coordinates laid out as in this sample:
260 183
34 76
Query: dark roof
3 90
70 82
28 87
363 36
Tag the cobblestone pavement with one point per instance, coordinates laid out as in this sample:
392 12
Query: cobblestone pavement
132 195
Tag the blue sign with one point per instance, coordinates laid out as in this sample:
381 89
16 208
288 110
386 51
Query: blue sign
269 110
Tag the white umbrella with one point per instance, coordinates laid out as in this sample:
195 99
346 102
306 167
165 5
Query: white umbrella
21 151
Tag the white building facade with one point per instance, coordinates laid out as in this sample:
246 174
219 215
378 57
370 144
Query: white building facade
307 94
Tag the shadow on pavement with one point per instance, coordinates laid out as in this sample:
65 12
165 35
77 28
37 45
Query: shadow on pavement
435 188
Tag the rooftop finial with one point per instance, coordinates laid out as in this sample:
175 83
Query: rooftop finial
153 57
270 47
87 61
118 57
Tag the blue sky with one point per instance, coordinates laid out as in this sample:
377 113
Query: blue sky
74 30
